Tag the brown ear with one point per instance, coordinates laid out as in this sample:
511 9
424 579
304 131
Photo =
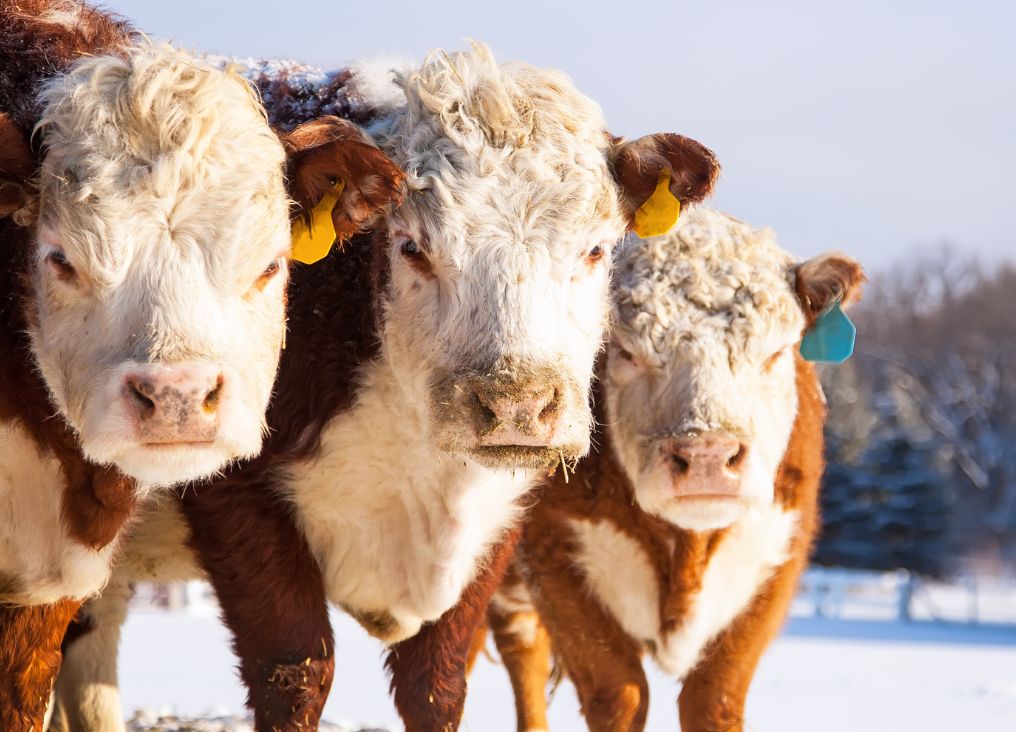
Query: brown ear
824 279
16 167
637 164
328 149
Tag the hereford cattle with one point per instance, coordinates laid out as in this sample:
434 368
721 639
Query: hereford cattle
683 534
144 223
428 377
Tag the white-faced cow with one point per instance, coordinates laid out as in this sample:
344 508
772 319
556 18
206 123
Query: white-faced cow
144 228
682 536
403 439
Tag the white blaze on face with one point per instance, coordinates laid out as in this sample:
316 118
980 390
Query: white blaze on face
159 280
499 256
705 328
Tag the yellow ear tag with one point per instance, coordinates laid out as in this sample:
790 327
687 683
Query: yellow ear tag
313 242
660 211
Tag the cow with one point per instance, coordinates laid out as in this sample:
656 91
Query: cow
145 230
683 534
405 439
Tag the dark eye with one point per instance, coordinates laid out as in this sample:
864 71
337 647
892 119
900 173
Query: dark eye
269 272
595 254
626 355
772 361
63 268
411 250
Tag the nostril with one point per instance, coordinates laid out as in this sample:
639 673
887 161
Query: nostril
484 409
679 463
550 409
137 392
211 401
736 461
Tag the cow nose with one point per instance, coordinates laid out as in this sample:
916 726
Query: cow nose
706 464
175 403
518 414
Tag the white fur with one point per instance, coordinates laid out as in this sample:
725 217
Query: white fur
162 184
710 318
44 563
620 576
396 524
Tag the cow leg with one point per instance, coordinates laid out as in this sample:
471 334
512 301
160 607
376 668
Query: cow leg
524 646
599 657
714 692
30 640
272 598
429 670
87 692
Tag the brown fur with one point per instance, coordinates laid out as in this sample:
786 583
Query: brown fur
30 657
603 661
33 50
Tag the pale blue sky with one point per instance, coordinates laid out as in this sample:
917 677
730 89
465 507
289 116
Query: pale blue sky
879 127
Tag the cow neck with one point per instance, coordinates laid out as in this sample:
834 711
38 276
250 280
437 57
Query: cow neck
332 334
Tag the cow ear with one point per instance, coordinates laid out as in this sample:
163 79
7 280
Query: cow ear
329 154
639 167
16 166
826 279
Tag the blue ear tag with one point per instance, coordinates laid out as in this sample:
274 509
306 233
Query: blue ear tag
831 338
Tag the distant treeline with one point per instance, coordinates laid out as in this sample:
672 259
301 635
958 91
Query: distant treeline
922 425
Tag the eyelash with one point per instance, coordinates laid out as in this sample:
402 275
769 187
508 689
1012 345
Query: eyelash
268 274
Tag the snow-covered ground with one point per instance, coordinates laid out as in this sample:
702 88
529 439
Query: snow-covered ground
822 674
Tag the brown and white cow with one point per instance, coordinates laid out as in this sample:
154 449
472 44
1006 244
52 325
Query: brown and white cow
144 230
405 437
683 534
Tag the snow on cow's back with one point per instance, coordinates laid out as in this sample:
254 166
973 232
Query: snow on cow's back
294 92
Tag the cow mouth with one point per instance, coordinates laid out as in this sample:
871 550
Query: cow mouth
519 456
169 445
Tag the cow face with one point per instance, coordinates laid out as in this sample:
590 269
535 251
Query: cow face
700 382
499 257
158 279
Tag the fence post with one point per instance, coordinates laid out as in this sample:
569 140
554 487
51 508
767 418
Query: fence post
904 594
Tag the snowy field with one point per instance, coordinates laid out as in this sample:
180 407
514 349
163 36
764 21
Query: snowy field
868 673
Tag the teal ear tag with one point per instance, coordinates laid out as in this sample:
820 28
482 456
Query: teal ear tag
831 338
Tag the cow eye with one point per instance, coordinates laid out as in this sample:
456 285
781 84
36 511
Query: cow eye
268 274
61 266
411 250
768 364
595 254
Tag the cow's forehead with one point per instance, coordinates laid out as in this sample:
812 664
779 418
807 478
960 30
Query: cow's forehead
154 146
507 145
711 279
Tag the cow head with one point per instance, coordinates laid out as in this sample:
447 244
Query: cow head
160 221
498 259
700 377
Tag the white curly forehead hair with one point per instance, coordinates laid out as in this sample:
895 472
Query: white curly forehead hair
471 126
712 273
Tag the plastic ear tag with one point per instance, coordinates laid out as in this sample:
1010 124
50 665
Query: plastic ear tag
313 242
660 211
831 338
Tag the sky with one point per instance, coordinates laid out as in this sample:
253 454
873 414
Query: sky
882 129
